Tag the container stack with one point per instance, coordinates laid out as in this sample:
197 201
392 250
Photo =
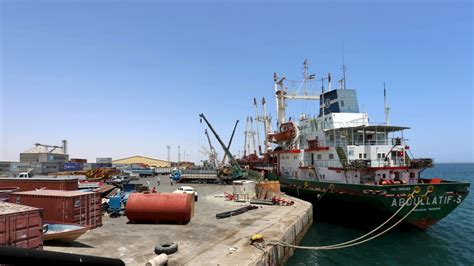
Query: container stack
21 226
26 184
82 208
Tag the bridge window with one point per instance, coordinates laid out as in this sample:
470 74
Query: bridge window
331 156
319 156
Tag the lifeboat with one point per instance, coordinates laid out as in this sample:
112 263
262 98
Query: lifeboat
287 132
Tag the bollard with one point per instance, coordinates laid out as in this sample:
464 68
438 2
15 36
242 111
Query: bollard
159 260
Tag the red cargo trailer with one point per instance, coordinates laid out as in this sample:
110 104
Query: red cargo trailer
21 226
27 184
75 207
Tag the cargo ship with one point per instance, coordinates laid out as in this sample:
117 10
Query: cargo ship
352 170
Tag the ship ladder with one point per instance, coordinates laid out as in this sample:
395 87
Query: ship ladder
356 241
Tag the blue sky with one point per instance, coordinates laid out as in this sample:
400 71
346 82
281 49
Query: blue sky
124 78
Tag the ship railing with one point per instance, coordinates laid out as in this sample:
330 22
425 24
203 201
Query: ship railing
322 163
335 125
391 141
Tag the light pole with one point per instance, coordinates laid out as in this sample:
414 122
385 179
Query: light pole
179 155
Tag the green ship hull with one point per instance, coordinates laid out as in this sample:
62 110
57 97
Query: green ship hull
350 203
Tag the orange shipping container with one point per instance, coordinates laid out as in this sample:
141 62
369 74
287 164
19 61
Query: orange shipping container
20 226
75 207
27 184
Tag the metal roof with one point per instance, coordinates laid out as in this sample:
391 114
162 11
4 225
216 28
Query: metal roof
44 149
138 157
7 208
56 193
374 128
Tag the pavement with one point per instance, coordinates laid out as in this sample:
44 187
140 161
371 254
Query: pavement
205 240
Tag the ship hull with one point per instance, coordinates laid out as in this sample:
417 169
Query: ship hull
372 204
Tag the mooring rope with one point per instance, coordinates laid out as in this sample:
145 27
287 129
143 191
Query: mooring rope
354 241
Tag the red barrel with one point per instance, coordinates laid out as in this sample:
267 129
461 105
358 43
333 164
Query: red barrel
160 207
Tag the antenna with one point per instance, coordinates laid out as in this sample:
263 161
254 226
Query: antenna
343 67
386 108
305 76
329 81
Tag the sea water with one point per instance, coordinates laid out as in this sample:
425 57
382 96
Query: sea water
449 242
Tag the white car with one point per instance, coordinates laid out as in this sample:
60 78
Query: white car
187 190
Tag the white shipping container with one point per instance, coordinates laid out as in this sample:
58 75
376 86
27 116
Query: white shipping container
104 160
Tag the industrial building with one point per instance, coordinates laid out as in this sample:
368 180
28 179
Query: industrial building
144 160
41 153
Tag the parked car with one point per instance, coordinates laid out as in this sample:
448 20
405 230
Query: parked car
120 179
187 190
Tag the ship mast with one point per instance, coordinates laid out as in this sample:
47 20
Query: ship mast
257 119
252 135
386 108
267 124
343 68
282 94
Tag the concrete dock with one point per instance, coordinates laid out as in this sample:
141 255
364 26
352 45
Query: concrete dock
205 240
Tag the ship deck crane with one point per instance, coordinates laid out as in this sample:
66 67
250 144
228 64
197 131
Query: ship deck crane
237 171
212 153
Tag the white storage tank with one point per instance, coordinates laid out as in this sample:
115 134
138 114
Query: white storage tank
244 187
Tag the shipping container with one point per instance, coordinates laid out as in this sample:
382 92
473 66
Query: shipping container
76 160
50 167
89 166
26 184
16 167
76 207
104 165
5 167
72 166
104 160
57 158
21 226
139 166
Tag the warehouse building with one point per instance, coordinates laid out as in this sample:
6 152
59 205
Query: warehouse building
41 153
143 160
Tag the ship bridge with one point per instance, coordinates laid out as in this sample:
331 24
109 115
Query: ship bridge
363 135
376 145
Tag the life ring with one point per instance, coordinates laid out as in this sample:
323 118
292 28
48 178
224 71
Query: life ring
166 248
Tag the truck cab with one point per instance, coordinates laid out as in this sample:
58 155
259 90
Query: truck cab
25 175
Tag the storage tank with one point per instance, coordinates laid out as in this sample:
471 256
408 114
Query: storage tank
246 187
160 207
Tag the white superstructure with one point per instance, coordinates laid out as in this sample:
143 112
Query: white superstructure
340 144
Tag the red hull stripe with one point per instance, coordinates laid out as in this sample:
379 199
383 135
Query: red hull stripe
288 151
318 149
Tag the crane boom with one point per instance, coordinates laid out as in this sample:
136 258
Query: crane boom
213 151
232 160
230 141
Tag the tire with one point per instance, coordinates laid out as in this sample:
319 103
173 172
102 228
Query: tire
195 198
166 248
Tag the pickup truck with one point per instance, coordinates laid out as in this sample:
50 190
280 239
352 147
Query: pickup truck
25 175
